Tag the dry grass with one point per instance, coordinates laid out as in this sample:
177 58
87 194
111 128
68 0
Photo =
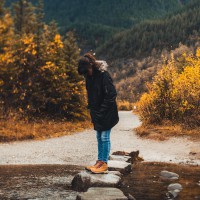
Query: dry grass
125 105
167 130
12 130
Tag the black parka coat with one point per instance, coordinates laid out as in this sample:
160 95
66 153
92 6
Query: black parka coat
102 100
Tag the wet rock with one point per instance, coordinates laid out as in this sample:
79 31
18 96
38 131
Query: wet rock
193 153
84 180
120 153
174 190
169 196
117 173
198 183
121 166
120 158
175 186
130 197
99 193
174 193
135 156
166 175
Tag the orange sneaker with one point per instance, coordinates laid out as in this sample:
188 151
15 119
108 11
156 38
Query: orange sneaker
101 168
95 165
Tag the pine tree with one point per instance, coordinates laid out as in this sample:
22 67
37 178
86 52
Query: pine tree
6 42
50 31
40 28
24 17
6 28
77 103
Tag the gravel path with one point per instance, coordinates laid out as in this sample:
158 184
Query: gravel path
81 148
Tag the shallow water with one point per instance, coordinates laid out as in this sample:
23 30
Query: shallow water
53 182
144 182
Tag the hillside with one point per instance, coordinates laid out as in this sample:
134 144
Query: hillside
96 21
154 34
132 35
136 55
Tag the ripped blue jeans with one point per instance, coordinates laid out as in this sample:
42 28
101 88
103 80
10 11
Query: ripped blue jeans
103 139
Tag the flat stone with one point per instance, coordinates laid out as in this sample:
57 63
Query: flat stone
130 197
169 175
120 153
84 180
117 173
121 166
174 189
99 193
120 158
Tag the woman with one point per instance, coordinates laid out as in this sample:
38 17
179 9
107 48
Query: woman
102 104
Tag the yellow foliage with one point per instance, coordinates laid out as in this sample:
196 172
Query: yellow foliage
174 95
58 41
50 66
124 105
28 41
198 53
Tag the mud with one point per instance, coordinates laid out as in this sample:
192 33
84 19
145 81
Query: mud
37 182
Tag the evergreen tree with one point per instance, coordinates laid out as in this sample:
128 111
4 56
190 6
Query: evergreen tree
24 17
50 31
38 71
6 28
77 103
6 42
40 28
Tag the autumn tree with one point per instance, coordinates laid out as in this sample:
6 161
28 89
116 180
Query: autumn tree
174 94
6 42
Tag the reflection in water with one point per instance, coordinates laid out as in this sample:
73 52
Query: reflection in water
144 182
53 181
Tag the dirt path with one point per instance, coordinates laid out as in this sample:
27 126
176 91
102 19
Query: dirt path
81 148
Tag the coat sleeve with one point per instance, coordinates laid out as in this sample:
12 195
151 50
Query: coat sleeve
109 92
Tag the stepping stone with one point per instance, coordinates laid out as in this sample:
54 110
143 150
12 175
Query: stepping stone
99 193
175 186
174 189
121 166
120 153
117 173
134 156
120 158
84 180
166 175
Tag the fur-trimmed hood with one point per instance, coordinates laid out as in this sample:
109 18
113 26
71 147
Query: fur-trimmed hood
103 66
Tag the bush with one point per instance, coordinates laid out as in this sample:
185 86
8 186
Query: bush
174 93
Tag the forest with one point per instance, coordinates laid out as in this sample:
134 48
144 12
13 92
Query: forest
38 66
167 33
136 55
96 21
